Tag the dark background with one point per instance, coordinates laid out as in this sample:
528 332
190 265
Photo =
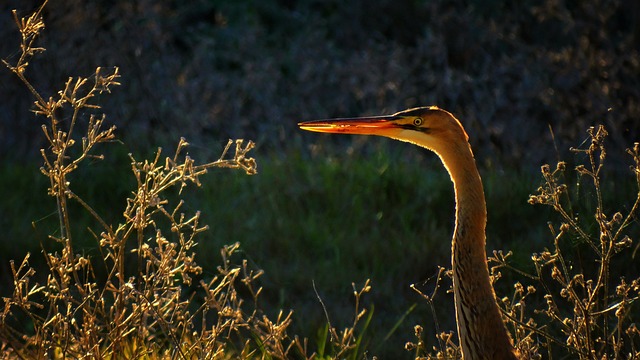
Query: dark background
209 70
525 78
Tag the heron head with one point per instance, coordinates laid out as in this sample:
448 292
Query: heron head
430 127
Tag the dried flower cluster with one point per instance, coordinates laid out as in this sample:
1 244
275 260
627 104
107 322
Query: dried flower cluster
143 308
578 303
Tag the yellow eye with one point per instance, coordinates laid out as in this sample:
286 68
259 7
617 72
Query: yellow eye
417 121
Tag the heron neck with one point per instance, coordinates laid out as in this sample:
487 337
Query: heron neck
471 209
480 327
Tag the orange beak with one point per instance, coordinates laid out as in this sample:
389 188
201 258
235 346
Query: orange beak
373 125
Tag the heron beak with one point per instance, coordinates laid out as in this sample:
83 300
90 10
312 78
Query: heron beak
364 125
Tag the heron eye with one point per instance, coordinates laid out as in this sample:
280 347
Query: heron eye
417 121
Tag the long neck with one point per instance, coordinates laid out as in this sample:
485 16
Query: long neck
480 327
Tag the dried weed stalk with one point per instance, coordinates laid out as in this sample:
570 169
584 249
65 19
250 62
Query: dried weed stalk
141 309
133 313
578 302
586 308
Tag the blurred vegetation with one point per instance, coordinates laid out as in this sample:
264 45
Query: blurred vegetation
212 70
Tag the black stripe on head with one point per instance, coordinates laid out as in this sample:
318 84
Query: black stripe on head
414 128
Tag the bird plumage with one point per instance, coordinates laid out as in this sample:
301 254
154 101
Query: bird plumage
481 329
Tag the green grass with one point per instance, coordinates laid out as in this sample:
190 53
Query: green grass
333 222
316 223
329 220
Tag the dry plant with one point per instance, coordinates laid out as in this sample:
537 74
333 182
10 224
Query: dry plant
447 347
141 308
345 344
590 306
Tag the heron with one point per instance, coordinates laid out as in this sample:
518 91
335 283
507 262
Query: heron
481 330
